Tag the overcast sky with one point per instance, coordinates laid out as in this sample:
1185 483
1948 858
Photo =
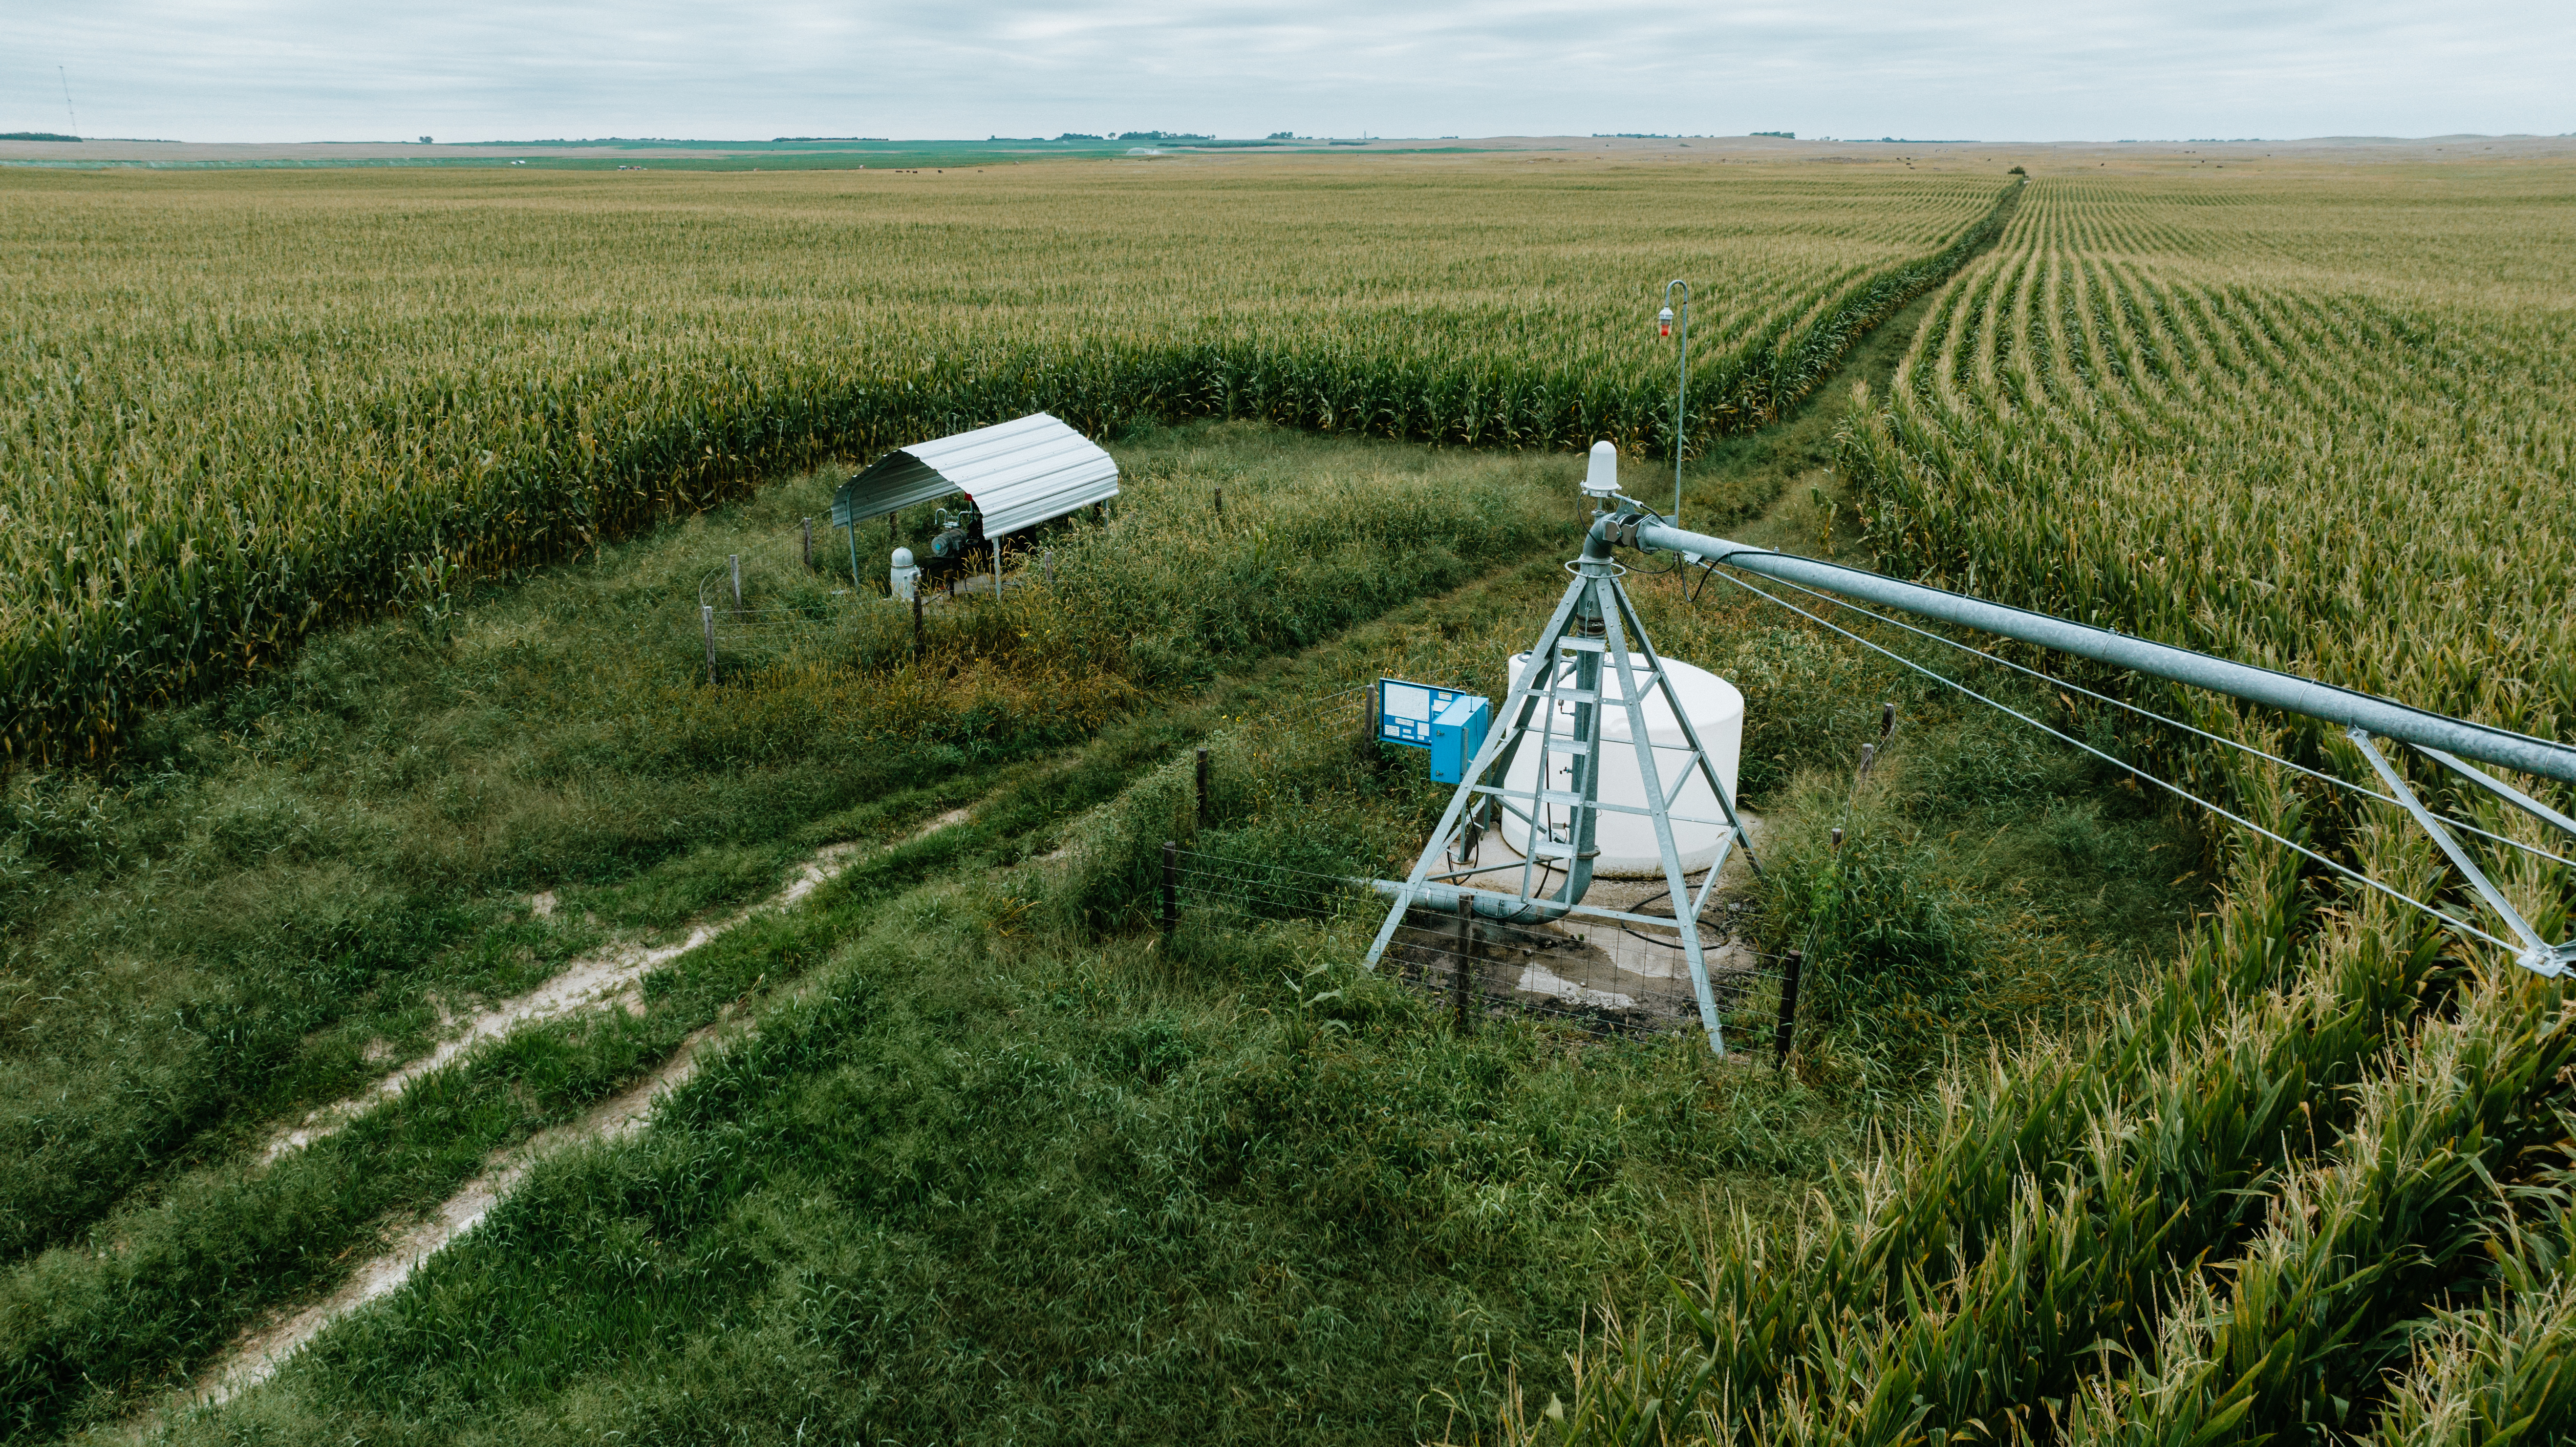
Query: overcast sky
286 70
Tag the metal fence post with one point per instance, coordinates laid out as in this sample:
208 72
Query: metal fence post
1171 887
1465 976
1203 804
736 560
809 545
1788 1008
916 621
707 616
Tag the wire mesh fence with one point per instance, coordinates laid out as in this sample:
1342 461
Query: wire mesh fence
752 613
1607 979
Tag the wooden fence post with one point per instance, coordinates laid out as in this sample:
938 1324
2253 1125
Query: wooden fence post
1788 1008
809 545
707 616
1465 976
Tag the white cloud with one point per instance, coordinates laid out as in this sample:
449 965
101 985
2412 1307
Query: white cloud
276 70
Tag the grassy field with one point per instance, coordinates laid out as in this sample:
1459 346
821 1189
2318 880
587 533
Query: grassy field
974 1156
298 882
2311 1181
187 939
253 404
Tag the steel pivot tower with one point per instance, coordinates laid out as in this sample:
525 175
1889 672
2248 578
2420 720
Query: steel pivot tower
1593 628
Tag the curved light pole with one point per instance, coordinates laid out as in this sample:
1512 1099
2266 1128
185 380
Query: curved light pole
1681 383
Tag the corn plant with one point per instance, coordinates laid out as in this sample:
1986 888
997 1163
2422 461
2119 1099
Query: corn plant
243 407
2227 1221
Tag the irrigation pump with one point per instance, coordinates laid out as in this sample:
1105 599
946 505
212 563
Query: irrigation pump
1594 631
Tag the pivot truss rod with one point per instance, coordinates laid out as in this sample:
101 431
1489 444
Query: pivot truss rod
2447 741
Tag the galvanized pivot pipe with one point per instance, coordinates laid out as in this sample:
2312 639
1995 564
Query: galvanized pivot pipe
2264 686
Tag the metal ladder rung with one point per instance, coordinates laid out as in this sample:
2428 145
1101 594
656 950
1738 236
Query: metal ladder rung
1545 796
1584 645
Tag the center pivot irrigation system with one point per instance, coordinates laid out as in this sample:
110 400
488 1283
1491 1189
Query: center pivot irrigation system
1592 628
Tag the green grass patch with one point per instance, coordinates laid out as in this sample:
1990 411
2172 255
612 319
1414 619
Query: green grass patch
289 884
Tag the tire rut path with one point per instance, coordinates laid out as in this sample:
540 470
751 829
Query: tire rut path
605 979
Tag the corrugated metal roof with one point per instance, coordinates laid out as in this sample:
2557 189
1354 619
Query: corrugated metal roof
1019 473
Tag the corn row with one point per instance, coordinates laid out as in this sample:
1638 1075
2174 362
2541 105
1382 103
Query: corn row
2160 453
2128 414
2186 1096
242 412
2273 474
2504 1373
2292 1336
2081 1269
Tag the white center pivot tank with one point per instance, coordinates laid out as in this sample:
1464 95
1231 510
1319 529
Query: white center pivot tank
1627 841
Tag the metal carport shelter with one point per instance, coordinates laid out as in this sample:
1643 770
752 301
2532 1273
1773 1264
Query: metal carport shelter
1017 473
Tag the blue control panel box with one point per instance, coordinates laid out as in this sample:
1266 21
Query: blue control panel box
1405 711
1448 723
1456 734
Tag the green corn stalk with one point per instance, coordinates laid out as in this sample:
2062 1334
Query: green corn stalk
2503 1372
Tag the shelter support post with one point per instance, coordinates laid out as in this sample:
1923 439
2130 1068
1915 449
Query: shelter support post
1791 967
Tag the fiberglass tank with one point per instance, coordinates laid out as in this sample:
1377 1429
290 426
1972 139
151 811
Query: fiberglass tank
1627 841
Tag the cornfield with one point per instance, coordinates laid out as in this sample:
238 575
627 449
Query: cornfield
244 406
2313 1184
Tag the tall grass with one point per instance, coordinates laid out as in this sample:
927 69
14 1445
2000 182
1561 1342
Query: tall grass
984 970
298 873
1000 1156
